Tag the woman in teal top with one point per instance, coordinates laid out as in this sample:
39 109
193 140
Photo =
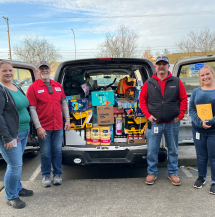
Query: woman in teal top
22 104
14 130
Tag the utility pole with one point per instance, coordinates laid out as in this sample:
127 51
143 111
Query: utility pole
74 43
6 19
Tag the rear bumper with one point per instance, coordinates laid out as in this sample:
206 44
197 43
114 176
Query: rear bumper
109 157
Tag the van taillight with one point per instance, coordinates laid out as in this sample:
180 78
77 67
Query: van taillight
104 58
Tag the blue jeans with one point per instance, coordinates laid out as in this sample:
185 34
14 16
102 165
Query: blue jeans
171 131
13 158
205 150
51 152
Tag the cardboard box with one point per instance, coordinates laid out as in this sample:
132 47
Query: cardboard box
126 103
105 115
78 105
120 139
136 141
103 98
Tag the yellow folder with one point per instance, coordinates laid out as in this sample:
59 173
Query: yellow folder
204 111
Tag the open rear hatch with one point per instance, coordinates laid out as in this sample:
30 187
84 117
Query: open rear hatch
102 96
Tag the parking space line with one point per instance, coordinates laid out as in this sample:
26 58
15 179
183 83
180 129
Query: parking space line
186 172
35 174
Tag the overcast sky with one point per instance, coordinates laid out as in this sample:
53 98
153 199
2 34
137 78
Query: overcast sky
160 23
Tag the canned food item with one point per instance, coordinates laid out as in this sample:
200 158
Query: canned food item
88 136
136 136
140 136
95 136
105 136
130 136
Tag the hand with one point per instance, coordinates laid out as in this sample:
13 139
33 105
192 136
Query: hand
67 125
152 118
9 145
176 120
41 133
204 125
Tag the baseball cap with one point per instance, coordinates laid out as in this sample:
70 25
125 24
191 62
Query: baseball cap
162 58
43 63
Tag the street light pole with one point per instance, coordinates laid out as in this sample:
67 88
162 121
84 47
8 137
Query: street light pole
74 42
6 19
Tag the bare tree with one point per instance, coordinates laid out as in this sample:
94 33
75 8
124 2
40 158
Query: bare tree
165 52
120 44
197 42
33 49
147 54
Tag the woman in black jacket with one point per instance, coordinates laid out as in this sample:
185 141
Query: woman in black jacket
14 130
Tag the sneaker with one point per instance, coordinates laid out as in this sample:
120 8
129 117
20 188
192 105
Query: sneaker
150 179
174 179
25 193
16 203
199 182
46 181
212 190
57 180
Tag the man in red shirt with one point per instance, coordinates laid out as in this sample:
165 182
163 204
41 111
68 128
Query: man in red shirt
47 101
163 101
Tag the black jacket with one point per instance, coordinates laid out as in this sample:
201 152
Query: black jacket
9 117
166 108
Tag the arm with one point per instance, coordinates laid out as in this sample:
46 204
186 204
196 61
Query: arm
143 100
34 117
182 100
212 121
192 110
65 110
40 131
4 133
32 105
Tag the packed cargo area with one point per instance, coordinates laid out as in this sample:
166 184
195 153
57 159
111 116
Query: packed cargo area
102 96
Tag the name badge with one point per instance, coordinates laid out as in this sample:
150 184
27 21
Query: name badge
15 141
57 88
197 135
40 91
155 129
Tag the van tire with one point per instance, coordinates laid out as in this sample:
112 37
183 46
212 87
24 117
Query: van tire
33 154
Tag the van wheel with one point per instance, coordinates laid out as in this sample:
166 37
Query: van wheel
33 154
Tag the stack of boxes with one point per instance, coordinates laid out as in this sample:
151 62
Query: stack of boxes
104 118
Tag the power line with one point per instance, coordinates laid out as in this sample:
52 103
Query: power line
133 30
194 13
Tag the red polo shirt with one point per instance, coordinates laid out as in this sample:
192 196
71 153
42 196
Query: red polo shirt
48 106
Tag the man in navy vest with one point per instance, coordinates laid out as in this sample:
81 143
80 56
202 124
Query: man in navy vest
163 101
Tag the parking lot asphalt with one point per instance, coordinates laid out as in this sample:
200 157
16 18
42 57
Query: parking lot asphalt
113 191
187 157
114 198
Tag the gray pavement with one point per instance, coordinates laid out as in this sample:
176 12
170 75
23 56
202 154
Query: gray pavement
114 197
187 157
120 196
